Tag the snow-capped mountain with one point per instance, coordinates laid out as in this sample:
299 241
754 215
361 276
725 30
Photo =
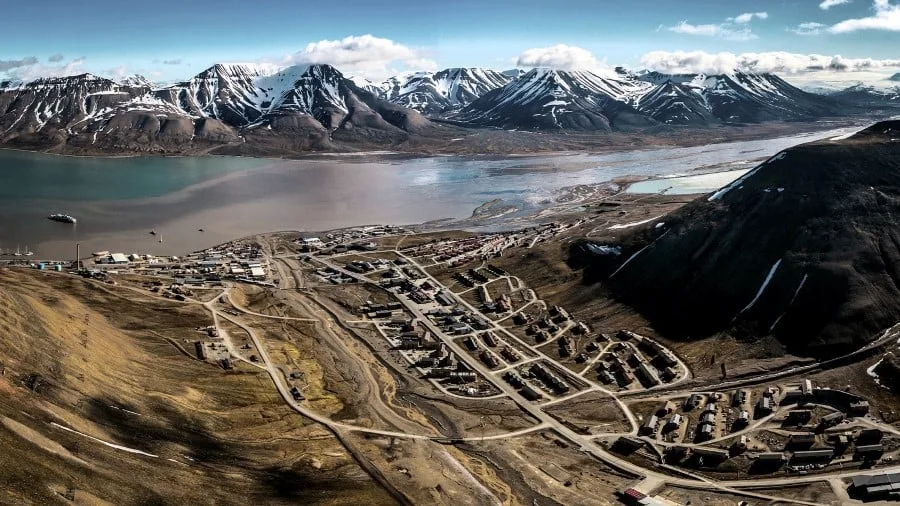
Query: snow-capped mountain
57 101
580 100
227 91
9 84
866 95
365 84
436 92
729 98
750 98
554 99
310 105
515 73
316 107
136 81
675 103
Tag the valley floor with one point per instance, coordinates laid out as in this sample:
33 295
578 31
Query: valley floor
454 141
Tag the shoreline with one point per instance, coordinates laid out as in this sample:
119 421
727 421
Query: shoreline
687 138
289 194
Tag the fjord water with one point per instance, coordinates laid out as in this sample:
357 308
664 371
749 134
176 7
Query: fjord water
119 200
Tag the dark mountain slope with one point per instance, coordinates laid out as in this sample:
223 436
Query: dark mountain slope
805 247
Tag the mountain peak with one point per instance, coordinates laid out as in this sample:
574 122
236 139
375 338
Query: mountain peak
240 69
437 92
136 81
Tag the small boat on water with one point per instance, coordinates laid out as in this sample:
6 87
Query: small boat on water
18 253
153 232
28 253
62 218
200 230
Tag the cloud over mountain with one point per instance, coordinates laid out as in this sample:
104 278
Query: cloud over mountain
30 68
14 64
560 57
775 61
363 54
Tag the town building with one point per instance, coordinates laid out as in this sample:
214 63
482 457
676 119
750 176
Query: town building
650 425
879 486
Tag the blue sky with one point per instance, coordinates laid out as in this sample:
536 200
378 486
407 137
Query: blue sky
168 40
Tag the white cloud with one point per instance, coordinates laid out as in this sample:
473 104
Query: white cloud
724 30
748 17
560 56
887 17
808 28
364 55
827 4
674 62
116 72
37 70
735 28
6 65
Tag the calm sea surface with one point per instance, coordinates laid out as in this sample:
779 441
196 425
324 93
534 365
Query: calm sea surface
119 200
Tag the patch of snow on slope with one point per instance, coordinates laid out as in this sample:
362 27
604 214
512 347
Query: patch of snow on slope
111 445
634 224
740 181
602 249
632 257
763 287
871 372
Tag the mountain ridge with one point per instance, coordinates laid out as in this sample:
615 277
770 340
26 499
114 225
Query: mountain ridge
315 107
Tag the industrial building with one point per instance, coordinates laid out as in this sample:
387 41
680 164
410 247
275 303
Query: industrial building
880 486
869 451
813 455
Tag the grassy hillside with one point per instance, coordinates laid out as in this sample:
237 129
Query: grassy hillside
110 364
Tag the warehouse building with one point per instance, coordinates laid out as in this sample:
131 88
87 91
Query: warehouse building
880 486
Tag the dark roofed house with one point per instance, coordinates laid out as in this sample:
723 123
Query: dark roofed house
805 439
650 425
869 451
832 419
879 486
869 436
813 455
859 408
764 406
